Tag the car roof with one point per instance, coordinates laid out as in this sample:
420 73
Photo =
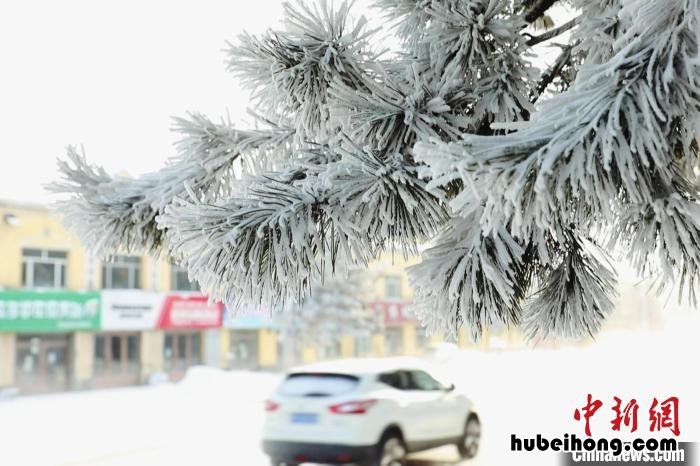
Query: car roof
361 366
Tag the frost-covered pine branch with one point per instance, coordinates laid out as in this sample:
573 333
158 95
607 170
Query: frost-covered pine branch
118 213
436 147
601 155
290 71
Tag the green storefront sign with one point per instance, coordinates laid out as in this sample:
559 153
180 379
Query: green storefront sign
49 311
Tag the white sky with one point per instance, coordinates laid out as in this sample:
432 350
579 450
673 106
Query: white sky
109 76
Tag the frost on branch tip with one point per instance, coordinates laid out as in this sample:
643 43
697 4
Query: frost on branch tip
383 196
290 231
470 279
598 29
591 149
574 296
114 214
435 145
591 157
477 43
290 71
662 241
266 248
402 109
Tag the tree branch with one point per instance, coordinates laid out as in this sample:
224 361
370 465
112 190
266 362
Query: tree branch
538 9
552 72
534 40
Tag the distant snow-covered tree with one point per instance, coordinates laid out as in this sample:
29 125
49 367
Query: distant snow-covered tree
516 185
341 306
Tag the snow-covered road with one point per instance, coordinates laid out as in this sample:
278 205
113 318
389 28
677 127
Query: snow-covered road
214 417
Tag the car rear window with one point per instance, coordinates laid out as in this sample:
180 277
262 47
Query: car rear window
316 384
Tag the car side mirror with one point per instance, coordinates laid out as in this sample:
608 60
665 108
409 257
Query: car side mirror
450 387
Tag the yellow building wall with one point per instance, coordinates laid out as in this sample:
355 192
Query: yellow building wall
308 354
151 352
162 282
378 345
347 346
7 359
83 351
463 338
267 348
408 338
225 349
392 265
40 229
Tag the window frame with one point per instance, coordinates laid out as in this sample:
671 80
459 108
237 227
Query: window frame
59 266
175 271
393 280
134 270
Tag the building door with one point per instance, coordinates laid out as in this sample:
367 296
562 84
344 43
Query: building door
116 361
394 341
42 363
181 350
243 350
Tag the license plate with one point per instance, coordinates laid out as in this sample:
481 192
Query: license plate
304 418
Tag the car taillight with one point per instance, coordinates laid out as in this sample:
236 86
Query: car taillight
271 406
352 407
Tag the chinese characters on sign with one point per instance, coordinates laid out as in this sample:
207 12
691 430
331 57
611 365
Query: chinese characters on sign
50 311
662 414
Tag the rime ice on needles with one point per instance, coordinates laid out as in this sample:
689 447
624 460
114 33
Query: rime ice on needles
437 143
289 71
383 198
113 214
609 144
469 279
574 296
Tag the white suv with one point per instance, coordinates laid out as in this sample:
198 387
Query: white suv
365 411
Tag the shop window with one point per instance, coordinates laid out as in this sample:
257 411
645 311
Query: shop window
394 340
132 353
99 354
168 352
179 280
122 272
392 287
421 339
196 349
243 349
116 353
182 350
43 268
41 363
363 345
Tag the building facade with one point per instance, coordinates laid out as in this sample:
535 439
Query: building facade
71 321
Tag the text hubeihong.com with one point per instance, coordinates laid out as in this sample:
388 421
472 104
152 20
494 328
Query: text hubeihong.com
603 449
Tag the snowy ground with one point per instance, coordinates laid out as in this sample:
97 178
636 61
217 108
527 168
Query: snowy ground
214 417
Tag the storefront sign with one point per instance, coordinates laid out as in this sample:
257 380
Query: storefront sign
130 309
49 311
190 311
394 312
250 318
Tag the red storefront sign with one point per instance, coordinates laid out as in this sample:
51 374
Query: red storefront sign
394 312
190 311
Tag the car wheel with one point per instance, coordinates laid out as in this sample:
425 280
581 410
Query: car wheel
391 451
469 443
